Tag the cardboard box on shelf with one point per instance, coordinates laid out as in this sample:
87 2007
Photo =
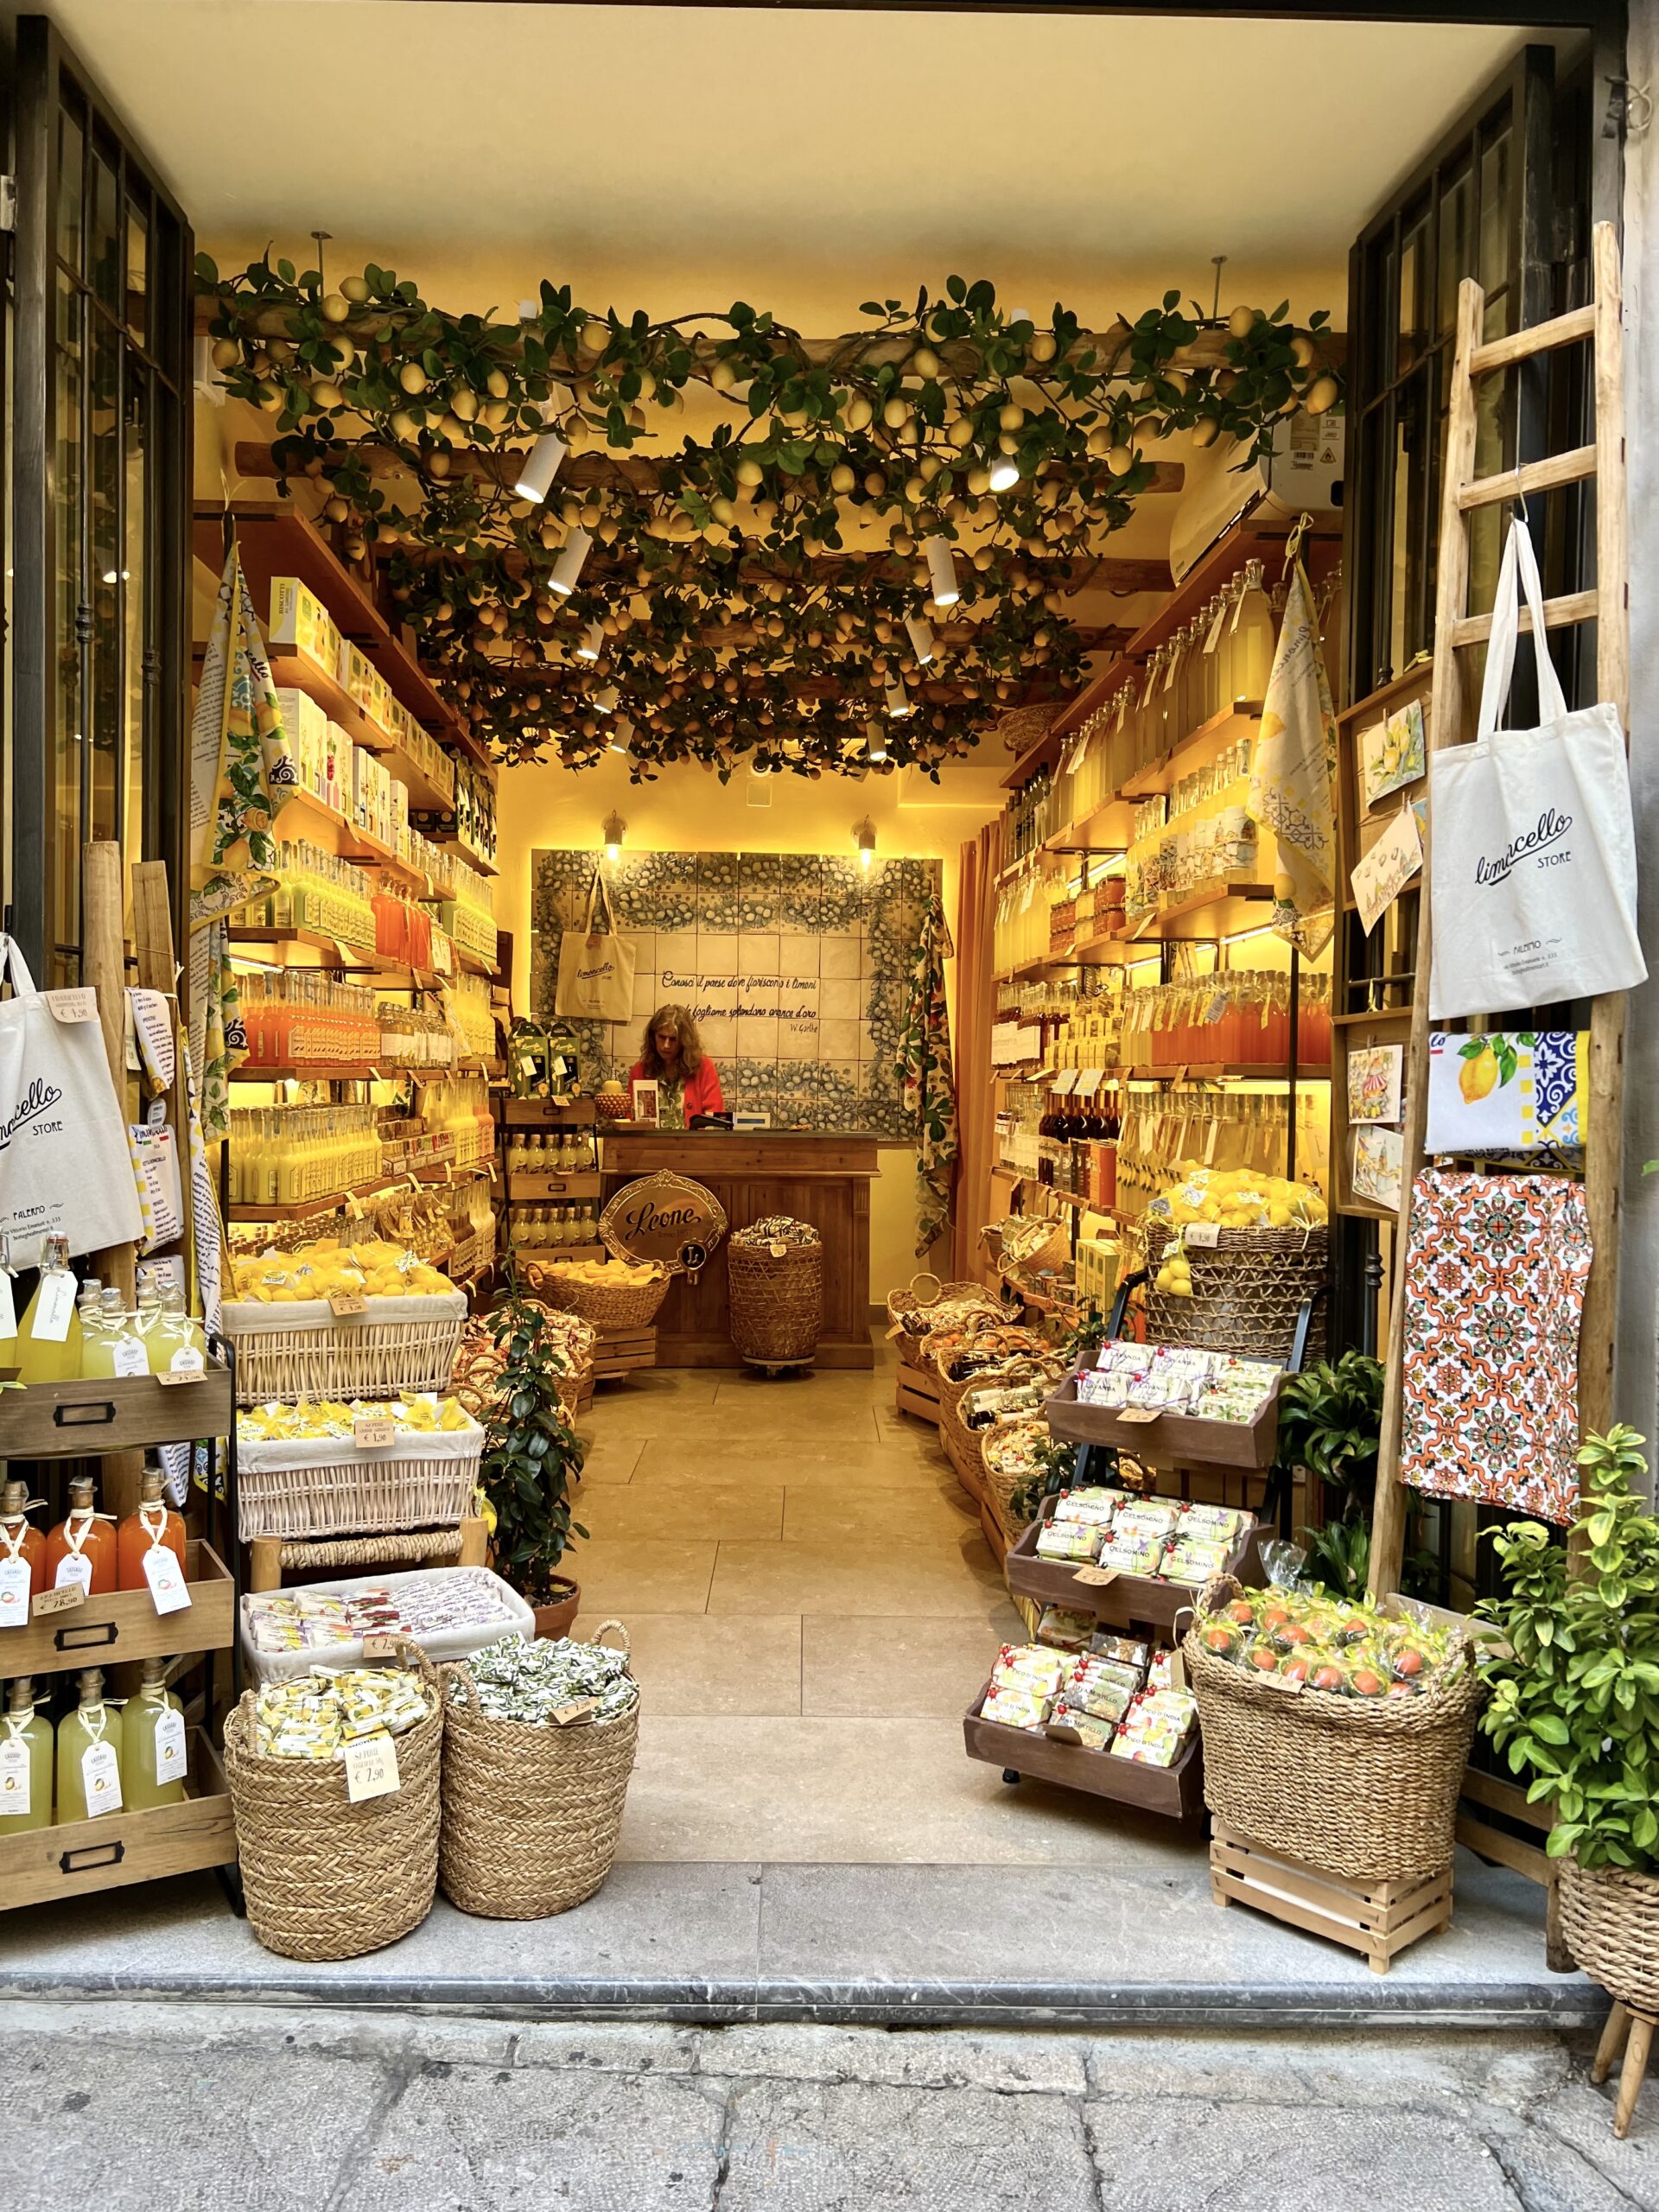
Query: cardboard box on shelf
300 622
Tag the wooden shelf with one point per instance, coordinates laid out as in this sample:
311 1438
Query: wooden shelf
530 1188
123 1624
1196 750
475 964
349 959
453 840
350 843
73 1858
1105 830
544 1113
314 1071
1218 909
314 1209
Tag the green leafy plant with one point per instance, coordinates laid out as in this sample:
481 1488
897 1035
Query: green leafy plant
1330 1422
531 1452
1575 1684
1086 1336
1340 1556
1055 1471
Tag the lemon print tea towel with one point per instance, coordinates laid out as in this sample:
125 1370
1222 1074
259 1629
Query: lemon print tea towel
1512 1091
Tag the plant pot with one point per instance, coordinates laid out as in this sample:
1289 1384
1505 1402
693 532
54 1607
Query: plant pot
1610 1917
556 1620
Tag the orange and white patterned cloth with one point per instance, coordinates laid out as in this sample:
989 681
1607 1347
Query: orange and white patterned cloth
1496 1268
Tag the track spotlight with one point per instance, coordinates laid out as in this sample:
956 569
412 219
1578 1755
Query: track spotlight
568 568
921 638
542 465
593 638
942 568
898 700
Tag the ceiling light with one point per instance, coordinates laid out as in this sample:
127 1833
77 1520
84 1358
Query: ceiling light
568 568
921 639
615 830
1005 473
605 700
541 465
623 738
864 838
942 568
875 741
593 638
898 700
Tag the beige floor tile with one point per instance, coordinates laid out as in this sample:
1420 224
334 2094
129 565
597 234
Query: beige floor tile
693 1513
858 1512
695 1665
805 1463
610 1458
861 1668
882 1792
941 1579
619 1574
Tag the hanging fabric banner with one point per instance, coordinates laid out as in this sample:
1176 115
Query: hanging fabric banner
929 1095
1293 774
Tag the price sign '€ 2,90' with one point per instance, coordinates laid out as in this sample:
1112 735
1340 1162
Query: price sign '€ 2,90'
666 1218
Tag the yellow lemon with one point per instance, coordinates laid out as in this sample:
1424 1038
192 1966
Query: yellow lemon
1477 1077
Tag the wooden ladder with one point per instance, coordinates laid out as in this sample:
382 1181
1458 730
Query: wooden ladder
1452 723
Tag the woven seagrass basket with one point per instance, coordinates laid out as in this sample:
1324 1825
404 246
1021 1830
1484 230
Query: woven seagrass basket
1030 1368
1364 1788
608 1305
531 1812
1610 1917
1247 1291
776 1300
325 1879
1004 1468
304 1351
915 1310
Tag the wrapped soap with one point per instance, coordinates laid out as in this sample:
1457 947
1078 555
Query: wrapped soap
1063 1630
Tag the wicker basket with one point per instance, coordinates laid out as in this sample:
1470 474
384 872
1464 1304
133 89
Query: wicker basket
531 1812
621 1306
1032 1368
325 1879
942 1348
920 1307
1001 1480
1247 1293
305 1351
1362 1788
1610 1917
777 1301
330 1487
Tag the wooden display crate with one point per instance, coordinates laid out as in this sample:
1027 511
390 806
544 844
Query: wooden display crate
1176 1791
620 1351
582 1183
1169 1440
970 1468
82 1419
1377 1919
108 1631
542 1113
917 1392
79 1856
1127 1601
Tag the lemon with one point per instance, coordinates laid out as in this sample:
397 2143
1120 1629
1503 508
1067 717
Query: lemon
412 377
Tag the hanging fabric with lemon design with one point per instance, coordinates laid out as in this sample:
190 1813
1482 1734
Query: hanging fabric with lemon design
1511 1092
1293 774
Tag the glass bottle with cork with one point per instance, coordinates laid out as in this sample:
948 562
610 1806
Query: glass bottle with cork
25 1762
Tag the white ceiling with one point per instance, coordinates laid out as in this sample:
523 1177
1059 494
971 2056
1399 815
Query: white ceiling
807 159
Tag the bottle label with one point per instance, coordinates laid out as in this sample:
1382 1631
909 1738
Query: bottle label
16 1791
53 1308
14 1593
1213 639
171 1763
100 1777
166 1578
187 1361
74 1567
129 1356
8 1307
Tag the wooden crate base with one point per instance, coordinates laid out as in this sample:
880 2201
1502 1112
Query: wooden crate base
1377 1919
76 1857
620 1351
1176 1791
970 1468
917 1392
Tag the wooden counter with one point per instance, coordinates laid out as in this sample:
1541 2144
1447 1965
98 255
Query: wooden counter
823 1178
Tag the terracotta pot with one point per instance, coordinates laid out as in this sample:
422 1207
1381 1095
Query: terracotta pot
556 1620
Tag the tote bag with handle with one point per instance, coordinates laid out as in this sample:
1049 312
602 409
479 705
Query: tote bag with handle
65 1169
596 965
1532 860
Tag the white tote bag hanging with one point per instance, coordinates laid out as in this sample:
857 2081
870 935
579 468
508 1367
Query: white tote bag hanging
595 966
1532 860
65 1169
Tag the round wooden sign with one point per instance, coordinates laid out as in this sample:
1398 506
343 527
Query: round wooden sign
666 1218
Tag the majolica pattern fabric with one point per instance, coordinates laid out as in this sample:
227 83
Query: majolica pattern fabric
928 1084
796 966
1495 1268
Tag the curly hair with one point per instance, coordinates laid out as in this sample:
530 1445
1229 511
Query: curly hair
674 1018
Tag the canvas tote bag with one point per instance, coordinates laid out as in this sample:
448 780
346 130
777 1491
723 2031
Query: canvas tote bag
1532 851
595 966
65 1169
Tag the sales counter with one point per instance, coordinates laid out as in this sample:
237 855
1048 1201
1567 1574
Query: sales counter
819 1176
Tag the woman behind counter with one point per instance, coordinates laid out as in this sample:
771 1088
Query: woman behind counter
671 1056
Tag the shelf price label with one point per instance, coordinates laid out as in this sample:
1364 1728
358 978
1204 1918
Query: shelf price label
344 1302
1140 1416
1202 1236
1096 1578
63 1599
578 1708
369 1430
372 1769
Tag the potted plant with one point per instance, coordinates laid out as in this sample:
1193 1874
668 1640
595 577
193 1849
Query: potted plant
1330 1422
530 1456
1575 1703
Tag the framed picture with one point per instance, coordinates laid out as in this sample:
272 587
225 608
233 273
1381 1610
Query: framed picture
1392 752
647 1102
1373 1073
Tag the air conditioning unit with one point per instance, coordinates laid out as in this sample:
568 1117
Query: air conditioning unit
1302 475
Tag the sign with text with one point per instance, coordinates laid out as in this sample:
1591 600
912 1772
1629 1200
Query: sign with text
666 1218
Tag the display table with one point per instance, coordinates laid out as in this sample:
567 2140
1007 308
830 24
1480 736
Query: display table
818 1176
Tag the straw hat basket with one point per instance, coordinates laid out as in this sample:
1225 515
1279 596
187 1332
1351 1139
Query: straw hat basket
776 1299
532 1811
1248 1289
619 1305
1609 1917
1362 1788
325 1879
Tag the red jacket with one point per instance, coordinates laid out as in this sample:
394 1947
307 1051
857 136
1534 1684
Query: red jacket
701 1090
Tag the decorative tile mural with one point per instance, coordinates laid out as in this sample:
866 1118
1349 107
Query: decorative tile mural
793 964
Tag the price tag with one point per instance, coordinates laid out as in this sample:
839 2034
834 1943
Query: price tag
170 1377
1212 637
372 1769
1202 1236
100 1777
63 1598
14 1593
1176 1671
156 1112
8 1309
17 1795
373 1429
172 1763
166 1578
53 1308
1290 1685
128 1358
778 1248
577 1709
344 1302
1096 1578
1141 1416
72 1006
382 1646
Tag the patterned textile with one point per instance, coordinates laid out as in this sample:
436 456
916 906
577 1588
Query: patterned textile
928 1087
1507 1092
1292 775
1495 1268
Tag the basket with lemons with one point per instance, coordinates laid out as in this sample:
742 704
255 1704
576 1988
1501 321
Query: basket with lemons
366 1267
604 1275
313 1421
1237 1198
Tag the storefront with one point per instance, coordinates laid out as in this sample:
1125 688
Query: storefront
803 997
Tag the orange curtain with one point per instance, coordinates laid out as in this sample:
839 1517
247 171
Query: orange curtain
981 863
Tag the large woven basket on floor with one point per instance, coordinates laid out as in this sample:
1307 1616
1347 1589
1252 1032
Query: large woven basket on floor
776 1300
531 1812
1247 1292
1003 1464
608 1305
1364 1788
325 1879
305 1351
1610 1917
